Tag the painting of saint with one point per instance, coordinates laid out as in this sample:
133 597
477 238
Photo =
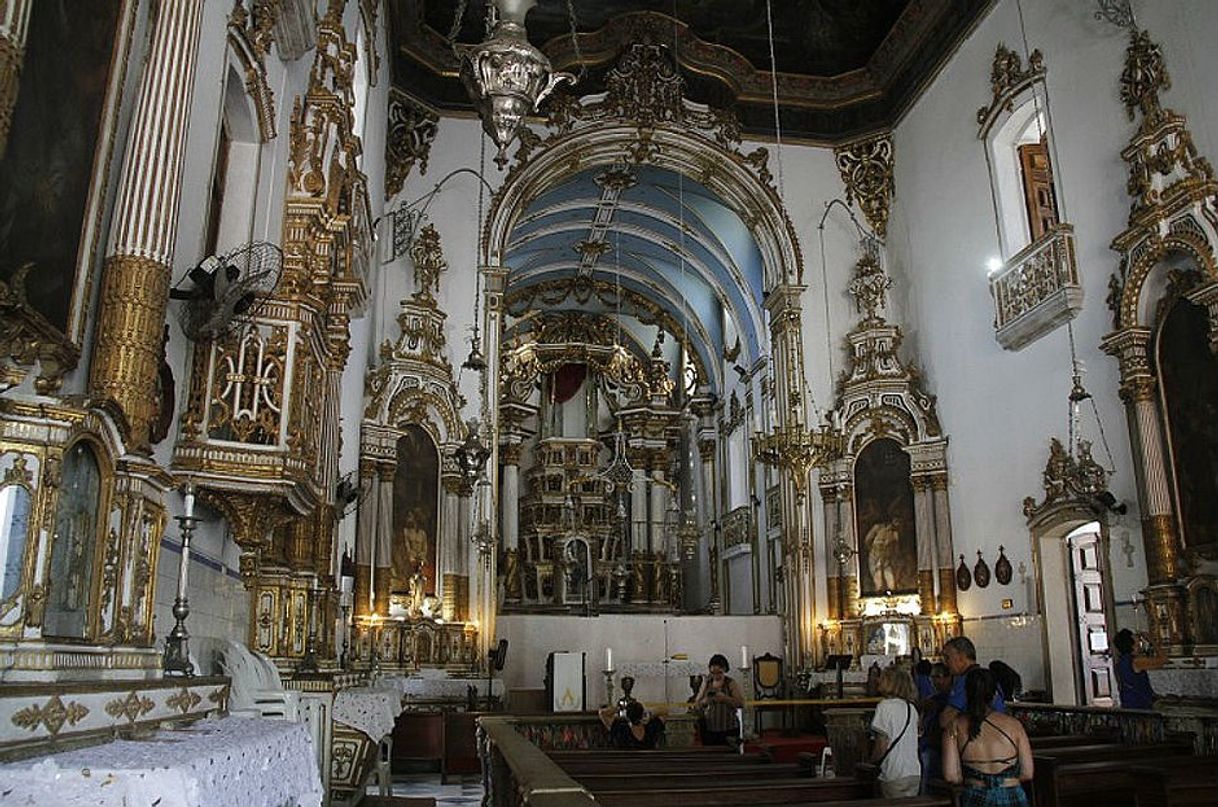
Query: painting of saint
1189 372
416 490
884 521
47 165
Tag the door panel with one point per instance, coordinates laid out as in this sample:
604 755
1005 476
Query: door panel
1087 572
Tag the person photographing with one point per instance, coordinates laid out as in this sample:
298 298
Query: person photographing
719 698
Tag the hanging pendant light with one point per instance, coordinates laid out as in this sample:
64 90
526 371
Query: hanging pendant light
507 78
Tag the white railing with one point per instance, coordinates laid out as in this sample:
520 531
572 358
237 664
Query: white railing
1037 290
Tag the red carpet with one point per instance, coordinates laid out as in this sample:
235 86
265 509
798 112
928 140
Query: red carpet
787 749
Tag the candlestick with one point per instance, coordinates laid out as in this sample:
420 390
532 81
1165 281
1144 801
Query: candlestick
176 659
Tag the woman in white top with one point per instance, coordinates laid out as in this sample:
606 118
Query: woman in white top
896 728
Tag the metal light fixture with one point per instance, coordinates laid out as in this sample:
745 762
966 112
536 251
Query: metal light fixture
472 454
797 449
507 78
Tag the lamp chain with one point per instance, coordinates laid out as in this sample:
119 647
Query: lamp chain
579 56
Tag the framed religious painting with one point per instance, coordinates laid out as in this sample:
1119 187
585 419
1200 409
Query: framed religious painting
56 164
416 498
884 520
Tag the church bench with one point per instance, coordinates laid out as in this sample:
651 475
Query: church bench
635 798
1189 782
645 779
653 761
1068 740
715 755
802 791
1073 776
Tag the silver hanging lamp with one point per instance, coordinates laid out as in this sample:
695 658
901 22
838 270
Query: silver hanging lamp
507 78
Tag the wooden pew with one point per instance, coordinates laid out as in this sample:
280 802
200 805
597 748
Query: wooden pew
1191 782
645 778
721 794
658 762
1097 772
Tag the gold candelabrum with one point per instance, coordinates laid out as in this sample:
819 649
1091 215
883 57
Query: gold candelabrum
797 449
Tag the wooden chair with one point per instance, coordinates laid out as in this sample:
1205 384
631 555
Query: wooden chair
768 684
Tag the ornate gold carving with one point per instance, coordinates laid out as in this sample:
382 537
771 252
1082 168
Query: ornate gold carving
429 263
412 128
126 356
130 707
1163 561
184 700
1144 77
867 171
26 337
1008 77
926 590
250 43
1068 478
53 715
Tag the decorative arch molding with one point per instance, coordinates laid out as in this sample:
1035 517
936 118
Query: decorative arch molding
880 398
644 119
248 43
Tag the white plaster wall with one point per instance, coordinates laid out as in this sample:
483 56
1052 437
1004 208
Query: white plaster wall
1000 408
634 638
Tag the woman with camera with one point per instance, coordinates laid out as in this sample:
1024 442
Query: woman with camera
719 698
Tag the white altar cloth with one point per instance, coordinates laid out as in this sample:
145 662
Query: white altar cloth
372 710
229 762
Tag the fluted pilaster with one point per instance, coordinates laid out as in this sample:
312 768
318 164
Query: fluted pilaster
135 280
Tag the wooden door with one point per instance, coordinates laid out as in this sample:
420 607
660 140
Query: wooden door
1039 196
1094 662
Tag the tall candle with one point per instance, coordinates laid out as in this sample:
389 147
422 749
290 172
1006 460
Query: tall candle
609 659
744 656
189 506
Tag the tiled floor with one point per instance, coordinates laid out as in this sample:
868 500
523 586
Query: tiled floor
465 791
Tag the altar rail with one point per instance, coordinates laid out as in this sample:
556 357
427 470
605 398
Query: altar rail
1133 726
516 772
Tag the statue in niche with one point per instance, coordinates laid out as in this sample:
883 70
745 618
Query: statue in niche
576 569
884 508
418 591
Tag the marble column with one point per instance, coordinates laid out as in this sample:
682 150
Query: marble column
143 232
833 570
786 340
943 544
1160 537
850 575
365 536
925 531
383 547
709 514
509 506
657 511
639 515
454 551
14 22
494 282
469 580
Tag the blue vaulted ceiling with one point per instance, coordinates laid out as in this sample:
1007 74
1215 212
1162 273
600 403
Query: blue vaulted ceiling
662 235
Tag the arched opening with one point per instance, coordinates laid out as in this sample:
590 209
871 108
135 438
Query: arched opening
1074 595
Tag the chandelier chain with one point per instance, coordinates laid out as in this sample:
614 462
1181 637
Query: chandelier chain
769 20
579 56
456 28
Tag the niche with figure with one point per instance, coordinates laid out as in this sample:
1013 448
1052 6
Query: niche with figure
416 490
74 545
1188 372
884 515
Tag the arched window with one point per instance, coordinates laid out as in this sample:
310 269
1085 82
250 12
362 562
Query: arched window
234 182
1022 172
74 545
